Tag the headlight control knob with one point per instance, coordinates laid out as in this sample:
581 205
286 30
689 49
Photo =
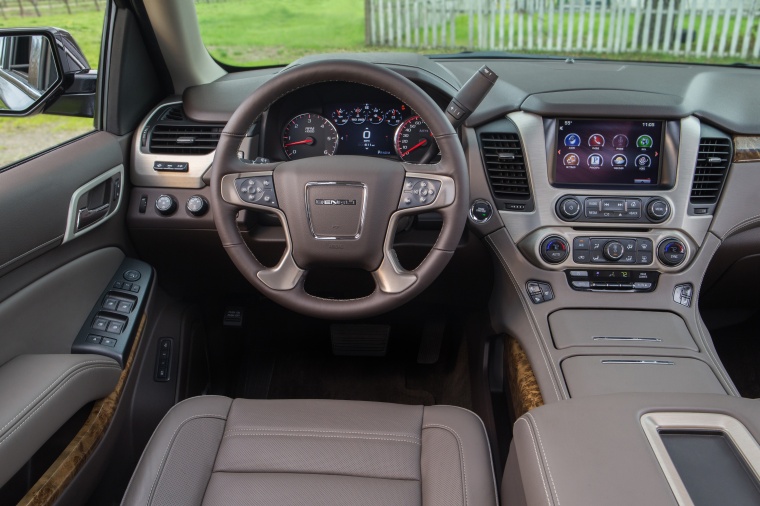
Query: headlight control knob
166 205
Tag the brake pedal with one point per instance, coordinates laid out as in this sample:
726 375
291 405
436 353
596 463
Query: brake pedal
353 340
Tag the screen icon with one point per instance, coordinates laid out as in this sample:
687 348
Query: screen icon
596 140
572 140
595 161
619 161
644 141
643 162
571 160
620 141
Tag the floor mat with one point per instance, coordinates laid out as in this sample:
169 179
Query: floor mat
739 349
290 357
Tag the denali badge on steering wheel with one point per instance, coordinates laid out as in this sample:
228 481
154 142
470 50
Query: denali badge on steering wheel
334 202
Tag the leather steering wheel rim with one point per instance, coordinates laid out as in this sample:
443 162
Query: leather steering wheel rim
284 284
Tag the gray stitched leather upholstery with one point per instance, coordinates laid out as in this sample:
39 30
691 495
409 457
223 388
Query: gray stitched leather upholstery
212 450
39 393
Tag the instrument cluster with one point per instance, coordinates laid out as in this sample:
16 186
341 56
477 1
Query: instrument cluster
371 129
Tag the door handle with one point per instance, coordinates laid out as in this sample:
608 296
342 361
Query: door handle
86 216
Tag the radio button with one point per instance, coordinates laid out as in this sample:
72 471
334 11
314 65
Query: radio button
631 204
613 205
593 204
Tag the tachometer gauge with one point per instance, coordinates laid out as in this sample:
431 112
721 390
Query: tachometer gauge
376 116
359 114
309 135
393 117
340 116
413 139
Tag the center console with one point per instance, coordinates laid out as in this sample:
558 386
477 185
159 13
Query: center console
602 275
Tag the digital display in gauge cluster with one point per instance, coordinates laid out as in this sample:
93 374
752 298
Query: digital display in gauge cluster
367 129
608 152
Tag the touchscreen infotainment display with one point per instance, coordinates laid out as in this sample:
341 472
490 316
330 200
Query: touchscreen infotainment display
592 152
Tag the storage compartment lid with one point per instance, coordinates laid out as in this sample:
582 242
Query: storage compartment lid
598 374
579 327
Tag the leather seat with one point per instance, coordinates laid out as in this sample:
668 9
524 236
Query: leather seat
214 450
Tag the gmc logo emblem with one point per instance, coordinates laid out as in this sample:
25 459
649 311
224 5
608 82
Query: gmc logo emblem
334 202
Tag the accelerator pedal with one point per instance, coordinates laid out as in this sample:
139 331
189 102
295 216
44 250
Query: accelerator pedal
353 340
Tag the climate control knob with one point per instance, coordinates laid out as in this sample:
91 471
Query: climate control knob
569 208
166 205
554 249
658 210
671 252
613 250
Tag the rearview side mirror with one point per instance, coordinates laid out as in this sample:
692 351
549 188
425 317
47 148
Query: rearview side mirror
44 69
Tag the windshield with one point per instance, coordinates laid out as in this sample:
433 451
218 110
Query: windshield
271 32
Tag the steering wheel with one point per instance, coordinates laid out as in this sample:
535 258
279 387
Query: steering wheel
339 210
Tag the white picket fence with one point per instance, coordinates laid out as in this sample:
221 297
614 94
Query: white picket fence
702 28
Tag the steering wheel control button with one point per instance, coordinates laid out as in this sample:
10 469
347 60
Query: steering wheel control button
683 293
419 192
131 275
197 205
481 211
255 190
658 210
554 249
539 291
671 252
166 205
569 208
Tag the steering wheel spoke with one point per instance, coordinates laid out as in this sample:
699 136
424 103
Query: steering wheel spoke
286 275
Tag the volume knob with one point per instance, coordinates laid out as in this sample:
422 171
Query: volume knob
569 208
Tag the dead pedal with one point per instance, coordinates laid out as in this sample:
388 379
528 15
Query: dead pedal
349 340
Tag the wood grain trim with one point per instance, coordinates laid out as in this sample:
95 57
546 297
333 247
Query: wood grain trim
746 149
58 476
523 386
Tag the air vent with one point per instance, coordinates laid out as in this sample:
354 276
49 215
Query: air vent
505 165
174 134
174 114
710 172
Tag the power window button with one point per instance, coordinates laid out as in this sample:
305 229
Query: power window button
100 324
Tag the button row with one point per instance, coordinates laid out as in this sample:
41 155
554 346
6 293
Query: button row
612 286
613 208
108 325
539 292
626 250
105 341
126 286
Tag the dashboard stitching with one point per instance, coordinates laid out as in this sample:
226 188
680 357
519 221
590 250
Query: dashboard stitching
538 459
546 460
530 317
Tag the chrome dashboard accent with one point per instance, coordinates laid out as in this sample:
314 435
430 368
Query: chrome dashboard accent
142 173
638 362
621 338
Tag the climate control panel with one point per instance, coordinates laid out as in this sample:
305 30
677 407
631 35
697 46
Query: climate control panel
621 250
613 209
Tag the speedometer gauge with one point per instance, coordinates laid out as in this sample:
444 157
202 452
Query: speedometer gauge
413 139
309 135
